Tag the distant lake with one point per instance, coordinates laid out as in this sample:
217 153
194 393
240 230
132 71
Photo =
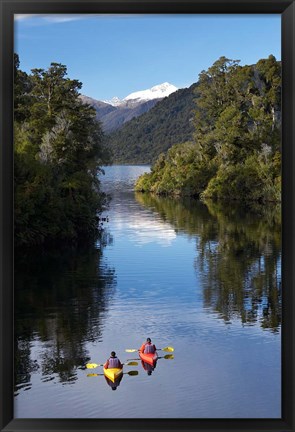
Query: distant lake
202 278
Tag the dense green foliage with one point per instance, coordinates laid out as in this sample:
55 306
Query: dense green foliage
236 150
57 153
144 138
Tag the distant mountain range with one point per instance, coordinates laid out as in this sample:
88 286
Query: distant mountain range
115 113
146 123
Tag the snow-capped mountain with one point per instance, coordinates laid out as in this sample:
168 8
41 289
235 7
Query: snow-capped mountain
157 92
115 101
115 112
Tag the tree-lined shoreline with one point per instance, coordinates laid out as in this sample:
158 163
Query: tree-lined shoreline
59 148
58 153
236 150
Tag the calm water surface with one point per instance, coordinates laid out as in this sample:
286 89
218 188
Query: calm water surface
200 278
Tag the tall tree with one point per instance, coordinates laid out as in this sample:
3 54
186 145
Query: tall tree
58 153
237 136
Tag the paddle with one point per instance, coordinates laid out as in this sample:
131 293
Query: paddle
167 349
95 365
167 357
131 373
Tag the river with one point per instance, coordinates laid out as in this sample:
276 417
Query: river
201 278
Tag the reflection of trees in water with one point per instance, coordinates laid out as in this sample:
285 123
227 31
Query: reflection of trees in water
185 215
238 257
242 257
60 301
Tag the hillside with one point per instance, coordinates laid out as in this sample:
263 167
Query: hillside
236 152
115 112
115 119
142 139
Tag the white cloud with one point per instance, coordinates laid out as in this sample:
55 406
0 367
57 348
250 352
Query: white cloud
50 18
61 18
20 17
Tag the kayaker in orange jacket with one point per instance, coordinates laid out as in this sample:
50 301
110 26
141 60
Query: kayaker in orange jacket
113 362
147 347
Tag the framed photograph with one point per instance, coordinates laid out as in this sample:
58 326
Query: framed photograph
147 215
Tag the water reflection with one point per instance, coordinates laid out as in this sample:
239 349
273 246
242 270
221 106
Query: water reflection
60 305
144 230
71 305
148 368
238 256
126 215
114 384
243 269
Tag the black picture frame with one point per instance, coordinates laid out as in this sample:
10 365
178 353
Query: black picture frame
7 10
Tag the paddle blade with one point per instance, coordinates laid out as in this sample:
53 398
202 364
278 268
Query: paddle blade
92 375
130 350
132 363
91 365
169 356
168 349
133 373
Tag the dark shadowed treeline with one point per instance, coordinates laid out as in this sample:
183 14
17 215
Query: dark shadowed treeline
57 154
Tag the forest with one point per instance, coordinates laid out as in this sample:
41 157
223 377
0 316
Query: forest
142 139
58 153
235 152
232 147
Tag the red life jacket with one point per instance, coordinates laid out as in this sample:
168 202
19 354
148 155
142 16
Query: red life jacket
114 362
149 348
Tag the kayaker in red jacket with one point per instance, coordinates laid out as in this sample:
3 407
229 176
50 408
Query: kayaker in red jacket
113 362
147 347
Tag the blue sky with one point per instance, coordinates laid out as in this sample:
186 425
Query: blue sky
117 55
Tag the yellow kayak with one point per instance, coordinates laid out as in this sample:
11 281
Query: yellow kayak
112 373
